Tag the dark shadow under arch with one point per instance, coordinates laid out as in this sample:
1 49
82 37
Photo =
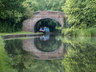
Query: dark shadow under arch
48 22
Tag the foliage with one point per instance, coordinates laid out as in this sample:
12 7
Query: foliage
43 5
81 55
81 13
79 32
12 12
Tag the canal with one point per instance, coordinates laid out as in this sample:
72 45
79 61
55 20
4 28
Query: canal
50 53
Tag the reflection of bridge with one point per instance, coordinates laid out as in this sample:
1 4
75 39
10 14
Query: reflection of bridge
29 24
28 45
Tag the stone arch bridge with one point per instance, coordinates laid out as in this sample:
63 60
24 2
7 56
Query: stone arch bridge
29 24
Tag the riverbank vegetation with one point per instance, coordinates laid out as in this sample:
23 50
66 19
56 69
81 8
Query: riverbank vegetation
81 17
12 13
14 33
90 32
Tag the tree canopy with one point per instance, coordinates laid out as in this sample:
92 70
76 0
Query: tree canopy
81 13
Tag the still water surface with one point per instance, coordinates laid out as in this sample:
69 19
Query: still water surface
52 53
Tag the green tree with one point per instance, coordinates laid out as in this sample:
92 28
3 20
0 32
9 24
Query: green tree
12 13
81 13
41 5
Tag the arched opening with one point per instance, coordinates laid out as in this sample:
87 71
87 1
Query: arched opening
47 22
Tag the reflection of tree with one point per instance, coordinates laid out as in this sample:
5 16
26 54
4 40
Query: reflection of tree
14 49
44 66
5 61
13 45
47 46
81 55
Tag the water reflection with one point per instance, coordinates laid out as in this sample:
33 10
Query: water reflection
79 54
35 55
47 43
45 37
44 47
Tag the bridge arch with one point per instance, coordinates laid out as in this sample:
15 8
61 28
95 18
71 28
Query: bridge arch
29 24
47 22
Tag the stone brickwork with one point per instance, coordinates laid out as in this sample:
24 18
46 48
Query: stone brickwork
29 24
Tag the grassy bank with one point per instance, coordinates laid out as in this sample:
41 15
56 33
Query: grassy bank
15 33
79 32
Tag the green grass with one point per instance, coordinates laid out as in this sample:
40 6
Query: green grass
79 32
15 33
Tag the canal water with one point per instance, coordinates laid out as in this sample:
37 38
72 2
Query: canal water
51 53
